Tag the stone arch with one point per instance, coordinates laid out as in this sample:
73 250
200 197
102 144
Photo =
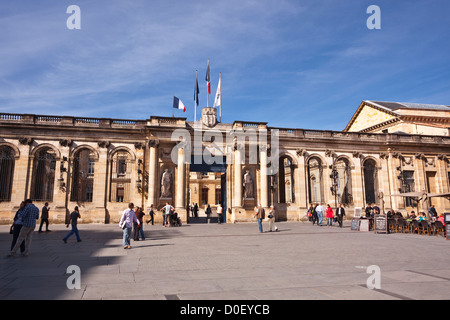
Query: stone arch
95 154
370 179
124 149
83 160
344 190
8 156
318 156
121 161
39 147
286 182
347 158
13 147
314 173
43 171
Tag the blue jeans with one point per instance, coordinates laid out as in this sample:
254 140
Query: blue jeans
74 230
126 236
260 225
141 231
320 216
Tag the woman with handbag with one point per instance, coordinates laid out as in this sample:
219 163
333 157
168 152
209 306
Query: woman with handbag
16 226
271 217
330 215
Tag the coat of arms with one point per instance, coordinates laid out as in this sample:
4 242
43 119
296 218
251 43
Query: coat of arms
209 117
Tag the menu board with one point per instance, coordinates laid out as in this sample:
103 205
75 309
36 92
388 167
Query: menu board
380 223
355 224
364 225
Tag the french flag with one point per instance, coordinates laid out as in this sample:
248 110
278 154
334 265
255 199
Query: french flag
177 104
208 79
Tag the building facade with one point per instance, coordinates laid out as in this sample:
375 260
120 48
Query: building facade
102 164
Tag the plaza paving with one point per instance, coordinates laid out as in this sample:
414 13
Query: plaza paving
228 262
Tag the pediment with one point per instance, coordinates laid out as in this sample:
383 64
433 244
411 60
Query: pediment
367 116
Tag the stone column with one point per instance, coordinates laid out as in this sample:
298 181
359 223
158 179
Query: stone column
100 197
152 172
264 177
420 184
357 183
395 184
301 180
237 177
384 180
442 177
179 199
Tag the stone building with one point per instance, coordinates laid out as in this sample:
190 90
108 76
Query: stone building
396 117
101 164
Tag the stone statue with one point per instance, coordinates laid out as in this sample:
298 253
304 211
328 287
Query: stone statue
381 197
248 185
166 184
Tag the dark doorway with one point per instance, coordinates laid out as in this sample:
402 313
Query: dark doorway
207 185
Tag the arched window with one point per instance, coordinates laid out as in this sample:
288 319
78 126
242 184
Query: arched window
43 180
286 180
370 181
83 176
344 181
315 181
121 167
6 172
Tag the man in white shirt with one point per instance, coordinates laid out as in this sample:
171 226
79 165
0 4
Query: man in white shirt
320 211
168 216
219 214
126 223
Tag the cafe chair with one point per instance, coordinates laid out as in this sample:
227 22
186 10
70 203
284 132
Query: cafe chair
424 227
414 226
392 223
403 226
439 228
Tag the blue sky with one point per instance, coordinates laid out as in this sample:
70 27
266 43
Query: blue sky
294 64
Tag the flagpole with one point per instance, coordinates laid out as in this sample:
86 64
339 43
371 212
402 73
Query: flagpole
220 79
195 94
207 87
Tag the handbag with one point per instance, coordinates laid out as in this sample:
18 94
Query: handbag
11 230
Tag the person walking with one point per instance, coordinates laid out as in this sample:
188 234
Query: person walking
196 210
314 217
340 213
44 217
29 216
163 213
168 210
208 213
139 229
260 215
432 211
271 217
151 214
219 214
74 216
330 215
319 210
126 223
17 225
